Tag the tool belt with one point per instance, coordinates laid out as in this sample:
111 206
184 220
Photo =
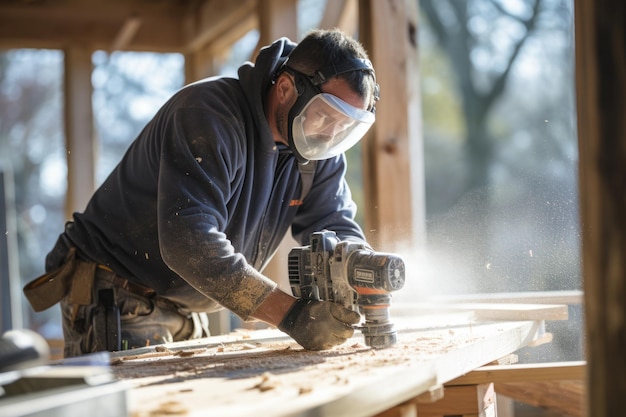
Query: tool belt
74 279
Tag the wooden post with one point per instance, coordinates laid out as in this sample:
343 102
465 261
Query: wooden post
277 18
393 160
601 100
79 137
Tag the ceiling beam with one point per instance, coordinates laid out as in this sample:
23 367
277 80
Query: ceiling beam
342 14
155 34
127 33
139 25
213 20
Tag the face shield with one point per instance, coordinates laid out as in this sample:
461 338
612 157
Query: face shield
322 125
328 126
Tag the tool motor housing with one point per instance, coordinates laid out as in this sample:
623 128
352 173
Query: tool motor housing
352 275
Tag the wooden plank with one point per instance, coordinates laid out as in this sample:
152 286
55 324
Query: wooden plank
488 311
601 103
434 393
564 397
551 371
271 375
402 410
571 297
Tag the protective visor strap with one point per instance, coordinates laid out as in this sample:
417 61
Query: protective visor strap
349 65
307 173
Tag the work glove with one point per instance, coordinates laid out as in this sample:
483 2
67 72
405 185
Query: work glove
318 325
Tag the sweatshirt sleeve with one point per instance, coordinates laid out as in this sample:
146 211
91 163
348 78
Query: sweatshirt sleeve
199 161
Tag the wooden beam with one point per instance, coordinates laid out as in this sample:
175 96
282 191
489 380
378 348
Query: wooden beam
565 397
487 311
214 20
462 400
601 103
166 26
127 33
408 409
161 34
95 24
393 149
342 14
550 371
277 18
79 138
572 297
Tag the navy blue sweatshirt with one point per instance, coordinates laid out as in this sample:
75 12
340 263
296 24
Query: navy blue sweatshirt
203 197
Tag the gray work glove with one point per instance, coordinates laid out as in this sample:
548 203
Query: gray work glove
318 325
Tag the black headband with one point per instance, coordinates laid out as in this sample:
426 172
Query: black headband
348 65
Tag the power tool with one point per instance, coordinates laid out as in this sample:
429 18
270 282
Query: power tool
352 275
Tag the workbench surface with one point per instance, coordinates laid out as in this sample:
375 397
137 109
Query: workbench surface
264 373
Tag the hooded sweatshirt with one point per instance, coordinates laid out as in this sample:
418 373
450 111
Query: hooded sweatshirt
203 197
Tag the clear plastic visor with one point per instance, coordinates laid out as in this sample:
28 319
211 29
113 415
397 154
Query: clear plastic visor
328 126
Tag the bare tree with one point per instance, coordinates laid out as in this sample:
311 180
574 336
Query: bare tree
470 32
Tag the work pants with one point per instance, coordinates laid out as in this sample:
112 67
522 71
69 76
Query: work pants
104 311
144 319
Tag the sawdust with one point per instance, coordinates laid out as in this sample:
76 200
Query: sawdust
268 382
243 374
249 376
246 360
170 408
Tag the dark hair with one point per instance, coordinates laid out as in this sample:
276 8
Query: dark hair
323 48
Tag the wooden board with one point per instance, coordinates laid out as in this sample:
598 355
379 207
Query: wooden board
565 397
488 311
533 372
570 297
264 373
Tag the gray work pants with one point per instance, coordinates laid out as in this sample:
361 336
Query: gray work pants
145 319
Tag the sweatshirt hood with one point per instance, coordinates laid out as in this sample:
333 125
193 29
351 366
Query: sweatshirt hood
255 80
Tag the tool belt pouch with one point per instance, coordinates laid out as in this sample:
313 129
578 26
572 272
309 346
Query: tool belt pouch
74 278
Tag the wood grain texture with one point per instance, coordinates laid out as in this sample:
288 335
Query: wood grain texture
552 371
601 102
263 373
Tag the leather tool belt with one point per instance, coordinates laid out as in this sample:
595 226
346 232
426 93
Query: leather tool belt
74 279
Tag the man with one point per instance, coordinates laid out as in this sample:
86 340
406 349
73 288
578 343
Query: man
203 197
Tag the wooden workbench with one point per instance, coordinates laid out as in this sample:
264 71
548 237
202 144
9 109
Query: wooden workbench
263 373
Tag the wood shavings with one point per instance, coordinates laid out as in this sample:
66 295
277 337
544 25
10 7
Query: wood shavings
161 348
187 353
170 408
123 359
305 390
267 383
244 376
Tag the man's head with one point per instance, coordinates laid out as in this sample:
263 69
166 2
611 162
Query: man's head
327 93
